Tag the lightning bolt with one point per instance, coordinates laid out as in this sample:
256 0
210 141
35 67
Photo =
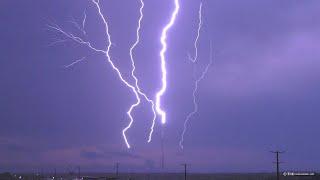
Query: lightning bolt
96 2
105 52
195 104
163 39
134 68
194 59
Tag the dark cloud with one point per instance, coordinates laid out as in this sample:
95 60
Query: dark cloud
101 154
14 146
92 155
123 155
149 163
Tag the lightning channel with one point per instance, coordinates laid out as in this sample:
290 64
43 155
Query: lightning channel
163 41
77 25
75 62
96 2
134 68
195 104
84 22
194 59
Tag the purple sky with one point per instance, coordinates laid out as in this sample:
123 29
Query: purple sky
261 94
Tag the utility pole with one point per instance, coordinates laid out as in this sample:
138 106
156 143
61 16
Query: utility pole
185 171
277 162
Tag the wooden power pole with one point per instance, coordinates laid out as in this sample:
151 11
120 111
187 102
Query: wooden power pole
277 162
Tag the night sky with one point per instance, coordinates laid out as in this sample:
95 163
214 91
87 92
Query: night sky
261 93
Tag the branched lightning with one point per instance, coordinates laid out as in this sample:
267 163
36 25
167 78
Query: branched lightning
195 104
96 2
134 87
106 52
134 68
194 59
163 39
